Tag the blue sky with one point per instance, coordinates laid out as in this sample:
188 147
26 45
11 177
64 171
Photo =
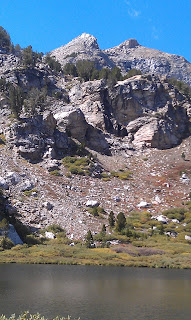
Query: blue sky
48 24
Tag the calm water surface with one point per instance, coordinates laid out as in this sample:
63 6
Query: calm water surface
96 293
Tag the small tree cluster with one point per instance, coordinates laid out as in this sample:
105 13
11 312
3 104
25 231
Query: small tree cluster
132 73
30 57
36 100
181 86
5 40
87 71
53 63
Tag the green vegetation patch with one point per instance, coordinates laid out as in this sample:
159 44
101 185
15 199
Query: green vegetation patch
30 192
78 165
122 174
97 211
55 173
2 139
175 213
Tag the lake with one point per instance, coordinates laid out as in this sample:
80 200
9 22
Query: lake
96 293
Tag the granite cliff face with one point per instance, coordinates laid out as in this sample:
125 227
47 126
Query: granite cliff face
145 111
128 55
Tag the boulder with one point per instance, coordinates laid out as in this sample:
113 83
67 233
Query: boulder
49 121
51 165
74 122
26 185
3 184
50 235
187 237
162 219
12 178
92 203
143 204
47 205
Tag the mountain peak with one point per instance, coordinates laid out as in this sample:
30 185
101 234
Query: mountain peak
84 41
131 43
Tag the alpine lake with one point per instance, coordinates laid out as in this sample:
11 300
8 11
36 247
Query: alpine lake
95 292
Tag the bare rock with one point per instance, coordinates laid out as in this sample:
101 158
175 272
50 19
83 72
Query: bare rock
3 184
143 204
26 185
50 235
13 235
47 205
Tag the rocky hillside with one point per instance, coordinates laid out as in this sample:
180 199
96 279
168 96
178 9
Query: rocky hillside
128 55
71 151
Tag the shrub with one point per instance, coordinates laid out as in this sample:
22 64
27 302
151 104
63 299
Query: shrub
55 173
70 69
4 224
2 139
77 165
132 73
76 170
55 228
122 175
32 239
29 192
21 229
175 213
97 211
6 243
181 86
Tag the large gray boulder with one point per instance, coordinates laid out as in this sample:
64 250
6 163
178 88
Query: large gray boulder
73 121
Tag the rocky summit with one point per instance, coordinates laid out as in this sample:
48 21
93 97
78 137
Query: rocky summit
71 143
128 55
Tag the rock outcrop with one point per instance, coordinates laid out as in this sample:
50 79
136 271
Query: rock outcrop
33 137
145 109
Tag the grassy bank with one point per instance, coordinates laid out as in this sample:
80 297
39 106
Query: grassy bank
156 252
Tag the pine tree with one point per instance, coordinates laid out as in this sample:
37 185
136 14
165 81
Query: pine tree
111 219
103 230
16 98
89 240
120 222
5 40
29 57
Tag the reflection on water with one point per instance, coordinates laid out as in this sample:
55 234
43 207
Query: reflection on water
96 293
